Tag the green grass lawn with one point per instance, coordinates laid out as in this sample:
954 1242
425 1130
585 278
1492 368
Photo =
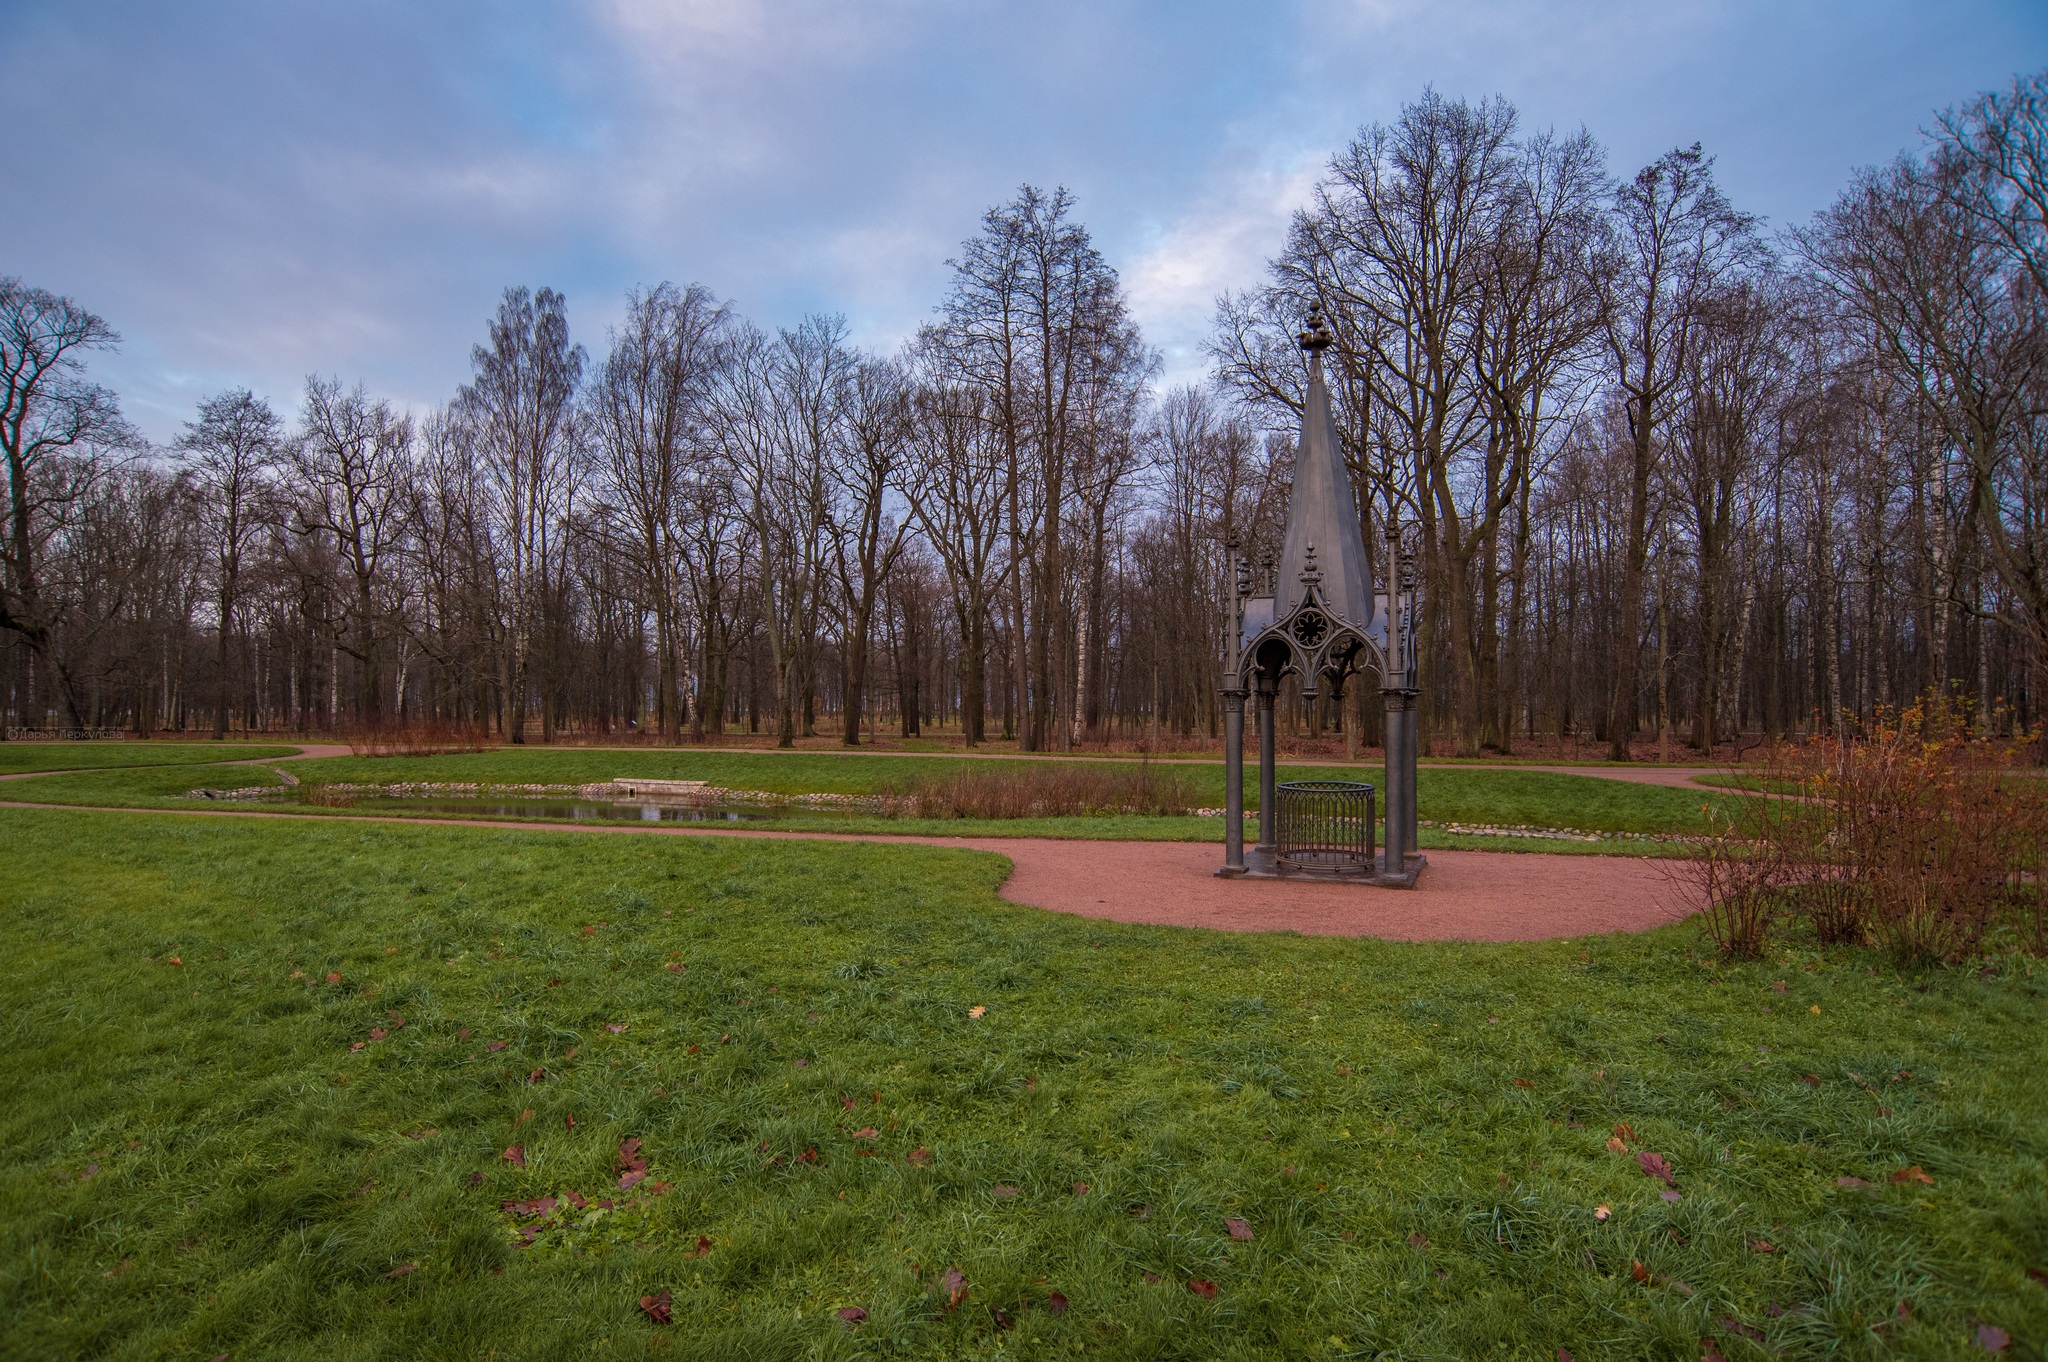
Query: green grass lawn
1445 795
196 1158
77 756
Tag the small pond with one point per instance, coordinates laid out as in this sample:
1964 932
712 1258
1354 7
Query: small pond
569 810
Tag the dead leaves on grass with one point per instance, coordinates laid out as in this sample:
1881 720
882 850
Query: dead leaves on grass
631 1165
1656 1166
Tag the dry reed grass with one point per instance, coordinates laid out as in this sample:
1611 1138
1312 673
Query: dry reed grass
1045 790
418 738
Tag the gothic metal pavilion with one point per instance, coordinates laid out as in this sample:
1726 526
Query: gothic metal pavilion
1320 618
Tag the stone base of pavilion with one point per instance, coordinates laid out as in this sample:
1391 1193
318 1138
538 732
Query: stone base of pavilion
1263 863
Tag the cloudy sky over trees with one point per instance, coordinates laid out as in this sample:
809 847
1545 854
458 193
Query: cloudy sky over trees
251 192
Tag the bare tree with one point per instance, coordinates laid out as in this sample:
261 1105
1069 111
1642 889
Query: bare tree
957 487
59 434
1676 240
350 462
866 538
1959 321
1036 320
522 405
229 453
649 405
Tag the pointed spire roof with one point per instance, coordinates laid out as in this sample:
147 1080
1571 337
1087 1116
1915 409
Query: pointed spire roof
1322 513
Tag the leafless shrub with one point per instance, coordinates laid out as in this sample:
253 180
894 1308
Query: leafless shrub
1023 789
1914 833
1742 871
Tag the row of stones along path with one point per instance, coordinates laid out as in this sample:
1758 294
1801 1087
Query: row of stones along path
1463 895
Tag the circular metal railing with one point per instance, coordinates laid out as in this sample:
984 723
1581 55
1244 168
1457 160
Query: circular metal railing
1325 825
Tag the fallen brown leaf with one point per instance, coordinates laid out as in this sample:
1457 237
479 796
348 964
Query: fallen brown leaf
1239 1229
1203 1288
851 1315
516 1156
1656 1166
403 1270
1914 1174
656 1308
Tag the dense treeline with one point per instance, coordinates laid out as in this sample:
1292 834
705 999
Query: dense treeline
1675 479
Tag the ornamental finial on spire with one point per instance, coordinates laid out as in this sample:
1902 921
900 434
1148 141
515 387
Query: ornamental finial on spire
1317 337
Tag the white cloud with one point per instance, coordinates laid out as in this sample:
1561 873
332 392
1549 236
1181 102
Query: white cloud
1221 243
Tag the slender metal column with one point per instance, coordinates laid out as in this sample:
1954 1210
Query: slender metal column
1409 755
1233 782
1400 779
1268 837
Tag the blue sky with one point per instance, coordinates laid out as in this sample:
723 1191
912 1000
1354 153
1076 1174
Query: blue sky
251 192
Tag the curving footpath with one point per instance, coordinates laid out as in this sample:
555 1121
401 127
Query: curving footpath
1463 895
